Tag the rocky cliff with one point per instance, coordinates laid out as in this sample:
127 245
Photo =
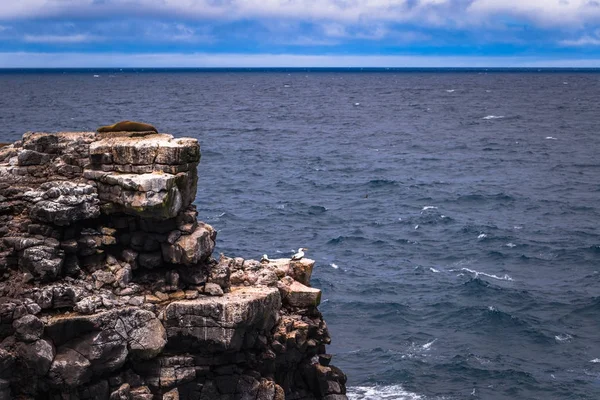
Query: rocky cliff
109 289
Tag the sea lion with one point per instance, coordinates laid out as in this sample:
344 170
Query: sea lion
128 126
4 144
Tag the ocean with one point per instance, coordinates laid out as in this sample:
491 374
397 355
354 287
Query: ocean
453 214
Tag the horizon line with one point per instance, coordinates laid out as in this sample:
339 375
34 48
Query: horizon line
78 60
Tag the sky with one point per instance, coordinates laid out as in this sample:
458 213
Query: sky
299 33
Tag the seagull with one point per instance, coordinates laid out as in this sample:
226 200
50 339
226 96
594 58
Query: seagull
265 258
299 254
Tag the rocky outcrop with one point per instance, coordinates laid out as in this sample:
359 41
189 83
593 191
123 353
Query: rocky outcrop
109 288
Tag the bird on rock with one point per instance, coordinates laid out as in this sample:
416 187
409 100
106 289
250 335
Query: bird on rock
300 254
264 259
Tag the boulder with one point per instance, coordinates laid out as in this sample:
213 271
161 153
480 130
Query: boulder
69 369
28 328
191 249
296 294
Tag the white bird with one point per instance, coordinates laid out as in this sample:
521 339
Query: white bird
264 258
299 254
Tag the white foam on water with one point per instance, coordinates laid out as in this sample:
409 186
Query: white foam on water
434 270
389 392
563 337
417 226
482 236
506 277
511 245
517 227
428 345
595 360
550 138
451 90
357 104
96 76
488 117
334 266
429 208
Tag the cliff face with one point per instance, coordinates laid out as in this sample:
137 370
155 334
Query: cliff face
109 289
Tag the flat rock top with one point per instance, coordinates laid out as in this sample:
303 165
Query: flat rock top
238 295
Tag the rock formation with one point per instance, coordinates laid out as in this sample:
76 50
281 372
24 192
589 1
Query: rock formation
109 289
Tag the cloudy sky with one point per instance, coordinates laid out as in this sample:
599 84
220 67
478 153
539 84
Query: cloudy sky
230 33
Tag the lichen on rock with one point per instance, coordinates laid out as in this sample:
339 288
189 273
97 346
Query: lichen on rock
109 288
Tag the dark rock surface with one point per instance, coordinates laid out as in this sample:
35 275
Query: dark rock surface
109 289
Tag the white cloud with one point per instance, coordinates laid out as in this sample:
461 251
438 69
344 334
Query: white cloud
582 41
545 12
60 39
205 60
432 12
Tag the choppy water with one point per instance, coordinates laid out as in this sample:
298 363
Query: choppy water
454 216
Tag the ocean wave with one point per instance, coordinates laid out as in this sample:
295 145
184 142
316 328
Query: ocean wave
476 274
489 117
480 198
383 392
563 338
376 183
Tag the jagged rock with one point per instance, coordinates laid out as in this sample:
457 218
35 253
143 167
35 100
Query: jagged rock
28 328
122 393
171 395
43 262
65 203
109 289
191 249
212 289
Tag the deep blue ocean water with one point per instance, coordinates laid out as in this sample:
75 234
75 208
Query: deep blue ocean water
453 214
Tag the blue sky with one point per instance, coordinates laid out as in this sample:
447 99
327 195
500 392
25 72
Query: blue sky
299 33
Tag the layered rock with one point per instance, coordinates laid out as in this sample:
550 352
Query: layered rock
109 289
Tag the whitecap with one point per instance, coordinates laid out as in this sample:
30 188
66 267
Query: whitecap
517 227
550 138
511 245
357 104
96 76
388 392
334 266
417 226
429 208
286 86
434 270
595 360
563 337
493 117
482 236
492 309
506 277
428 345
451 90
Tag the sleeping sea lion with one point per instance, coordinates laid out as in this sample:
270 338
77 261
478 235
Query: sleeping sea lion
128 126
